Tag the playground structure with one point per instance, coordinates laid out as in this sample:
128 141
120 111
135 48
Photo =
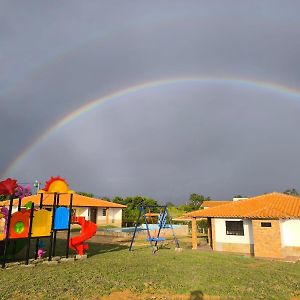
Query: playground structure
163 221
28 223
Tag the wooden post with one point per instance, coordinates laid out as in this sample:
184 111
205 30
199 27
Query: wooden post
194 233
209 233
106 215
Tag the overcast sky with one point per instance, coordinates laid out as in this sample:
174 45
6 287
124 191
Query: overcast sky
215 138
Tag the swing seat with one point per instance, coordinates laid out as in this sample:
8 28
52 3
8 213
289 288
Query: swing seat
153 239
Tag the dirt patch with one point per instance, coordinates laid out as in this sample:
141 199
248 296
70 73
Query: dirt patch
128 295
256 265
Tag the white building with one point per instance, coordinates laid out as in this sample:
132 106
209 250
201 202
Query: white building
99 211
266 226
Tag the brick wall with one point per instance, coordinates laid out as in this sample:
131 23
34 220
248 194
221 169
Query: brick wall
267 240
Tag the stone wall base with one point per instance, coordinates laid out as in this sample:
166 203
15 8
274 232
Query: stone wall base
234 247
291 251
249 249
117 223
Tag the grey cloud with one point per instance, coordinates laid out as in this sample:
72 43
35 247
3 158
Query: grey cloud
215 139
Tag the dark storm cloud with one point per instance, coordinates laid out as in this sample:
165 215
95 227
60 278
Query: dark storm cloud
56 57
168 152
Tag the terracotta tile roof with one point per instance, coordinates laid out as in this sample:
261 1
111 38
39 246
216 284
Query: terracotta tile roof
213 203
78 200
273 205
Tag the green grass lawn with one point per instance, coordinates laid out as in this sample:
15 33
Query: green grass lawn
166 275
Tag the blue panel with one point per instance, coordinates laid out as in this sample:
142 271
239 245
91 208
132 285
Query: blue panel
162 220
154 239
61 220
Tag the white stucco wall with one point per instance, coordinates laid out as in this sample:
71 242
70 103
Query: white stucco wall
222 237
82 212
290 232
115 214
100 218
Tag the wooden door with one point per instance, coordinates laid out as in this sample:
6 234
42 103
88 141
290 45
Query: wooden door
93 214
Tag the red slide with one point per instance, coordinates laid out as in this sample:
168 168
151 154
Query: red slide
88 230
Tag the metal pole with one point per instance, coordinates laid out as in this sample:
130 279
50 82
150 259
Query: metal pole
6 241
55 231
15 241
29 233
161 224
135 228
38 240
173 232
19 204
37 186
148 234
69 225
52 225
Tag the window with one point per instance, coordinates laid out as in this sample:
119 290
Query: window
104 212
234 228
265 224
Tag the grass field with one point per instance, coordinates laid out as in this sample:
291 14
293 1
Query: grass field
112 269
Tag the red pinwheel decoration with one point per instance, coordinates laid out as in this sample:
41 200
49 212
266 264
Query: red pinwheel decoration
8 186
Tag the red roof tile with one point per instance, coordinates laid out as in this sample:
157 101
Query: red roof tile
272 205
213 203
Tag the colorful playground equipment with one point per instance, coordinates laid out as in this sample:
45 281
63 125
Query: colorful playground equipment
19 228
88 230
163 221
8 186
41 249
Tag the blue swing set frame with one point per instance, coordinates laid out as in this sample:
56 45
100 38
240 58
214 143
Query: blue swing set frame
164 221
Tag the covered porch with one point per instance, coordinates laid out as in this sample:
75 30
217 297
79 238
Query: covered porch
194 230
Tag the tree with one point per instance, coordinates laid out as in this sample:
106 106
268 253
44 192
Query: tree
90 195
238 196
292 192
130 213
194 202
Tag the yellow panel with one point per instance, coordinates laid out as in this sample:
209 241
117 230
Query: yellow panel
41 224
2 226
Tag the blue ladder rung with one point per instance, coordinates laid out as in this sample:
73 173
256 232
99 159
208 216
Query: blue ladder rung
160 239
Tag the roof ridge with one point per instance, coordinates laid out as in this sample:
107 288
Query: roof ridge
217 201
275 193
268 208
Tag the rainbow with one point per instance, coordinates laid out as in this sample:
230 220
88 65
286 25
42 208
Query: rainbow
92 104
